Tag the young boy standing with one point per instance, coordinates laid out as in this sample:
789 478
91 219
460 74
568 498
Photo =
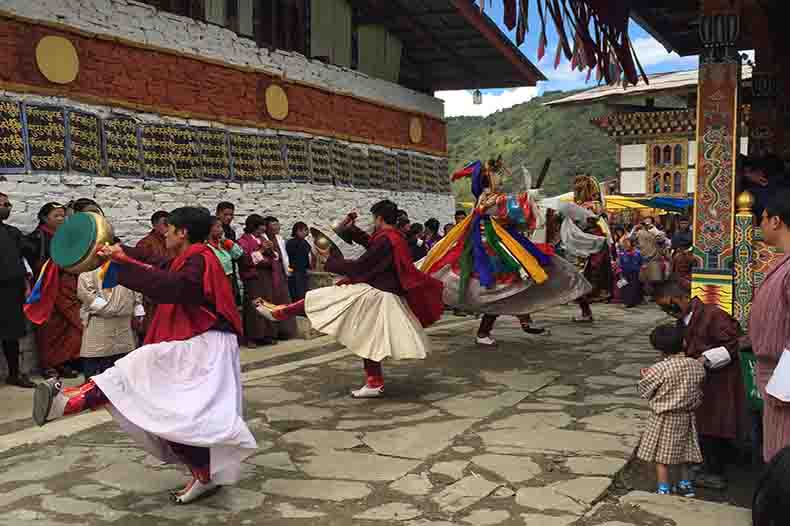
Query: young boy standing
673 387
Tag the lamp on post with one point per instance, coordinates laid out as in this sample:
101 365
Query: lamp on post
477 97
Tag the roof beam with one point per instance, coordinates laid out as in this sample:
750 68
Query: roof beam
461 64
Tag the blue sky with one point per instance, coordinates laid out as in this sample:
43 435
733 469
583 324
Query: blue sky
652 55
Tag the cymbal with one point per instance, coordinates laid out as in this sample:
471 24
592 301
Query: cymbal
324 243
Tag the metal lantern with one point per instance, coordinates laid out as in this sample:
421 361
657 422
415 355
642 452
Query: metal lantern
477 97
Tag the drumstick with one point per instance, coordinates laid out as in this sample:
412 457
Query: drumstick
123 258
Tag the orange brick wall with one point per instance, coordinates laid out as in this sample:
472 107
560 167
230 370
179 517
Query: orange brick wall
119 74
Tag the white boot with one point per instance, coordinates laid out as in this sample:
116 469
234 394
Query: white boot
368 392
266 309
49 402
194 491
486 340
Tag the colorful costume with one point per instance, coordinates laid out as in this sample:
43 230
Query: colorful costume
378 311
489 266
179 395
597 266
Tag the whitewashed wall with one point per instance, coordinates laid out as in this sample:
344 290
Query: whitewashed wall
143 24
633 182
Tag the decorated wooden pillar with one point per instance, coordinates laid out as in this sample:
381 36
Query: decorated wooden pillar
717 149
764 117
783 91
743 259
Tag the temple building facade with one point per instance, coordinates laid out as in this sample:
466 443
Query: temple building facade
654 127
302 109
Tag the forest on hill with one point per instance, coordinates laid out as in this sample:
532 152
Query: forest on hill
528 134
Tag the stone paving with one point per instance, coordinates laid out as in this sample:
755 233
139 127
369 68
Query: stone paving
530 433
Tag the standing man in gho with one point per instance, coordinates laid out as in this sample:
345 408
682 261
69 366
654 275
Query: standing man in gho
14 287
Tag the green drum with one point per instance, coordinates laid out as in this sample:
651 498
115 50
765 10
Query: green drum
76 241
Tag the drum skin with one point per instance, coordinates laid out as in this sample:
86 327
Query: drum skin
76 241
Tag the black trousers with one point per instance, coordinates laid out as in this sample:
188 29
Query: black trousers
11 352
715 452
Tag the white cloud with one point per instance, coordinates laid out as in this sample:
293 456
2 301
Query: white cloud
457 103
652 53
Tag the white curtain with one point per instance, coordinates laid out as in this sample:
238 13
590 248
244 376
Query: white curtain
245 10
330 31
215 12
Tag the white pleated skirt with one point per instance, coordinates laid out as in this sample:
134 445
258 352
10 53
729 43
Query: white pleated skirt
187 392
371 323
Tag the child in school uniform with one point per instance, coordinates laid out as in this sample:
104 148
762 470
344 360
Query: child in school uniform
673 387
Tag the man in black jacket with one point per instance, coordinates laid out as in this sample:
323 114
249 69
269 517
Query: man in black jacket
14 286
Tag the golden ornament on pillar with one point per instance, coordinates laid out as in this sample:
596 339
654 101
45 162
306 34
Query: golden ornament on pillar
276 102
415 130
744 202
57 59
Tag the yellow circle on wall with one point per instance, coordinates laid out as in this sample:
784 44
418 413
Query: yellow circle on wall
57 59
276 102
415 130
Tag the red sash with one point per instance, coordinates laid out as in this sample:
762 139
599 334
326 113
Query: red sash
177 322
423 292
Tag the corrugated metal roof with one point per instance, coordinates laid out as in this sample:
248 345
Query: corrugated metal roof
658 84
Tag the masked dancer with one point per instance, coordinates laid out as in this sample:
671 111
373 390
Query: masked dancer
487 263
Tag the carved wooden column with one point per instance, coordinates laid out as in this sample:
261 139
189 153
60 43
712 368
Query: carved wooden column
744 259
764 117
717 149
783 91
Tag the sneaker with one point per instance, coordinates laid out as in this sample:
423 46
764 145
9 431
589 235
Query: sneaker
663 489
685 488
486 340
367 392
582 319
44 398
68 372
529 329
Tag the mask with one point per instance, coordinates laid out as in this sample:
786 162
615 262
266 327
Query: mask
673 309
5 213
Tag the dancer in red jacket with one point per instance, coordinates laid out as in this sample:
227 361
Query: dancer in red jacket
180 394
381 307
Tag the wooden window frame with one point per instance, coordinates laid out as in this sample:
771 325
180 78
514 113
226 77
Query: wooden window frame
660 168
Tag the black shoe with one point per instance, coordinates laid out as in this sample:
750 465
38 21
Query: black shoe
46 374
20 380
68 372
533 330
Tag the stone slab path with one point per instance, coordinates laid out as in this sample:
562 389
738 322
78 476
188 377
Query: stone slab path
531 432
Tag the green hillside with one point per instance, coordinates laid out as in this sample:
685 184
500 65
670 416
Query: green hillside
528 134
